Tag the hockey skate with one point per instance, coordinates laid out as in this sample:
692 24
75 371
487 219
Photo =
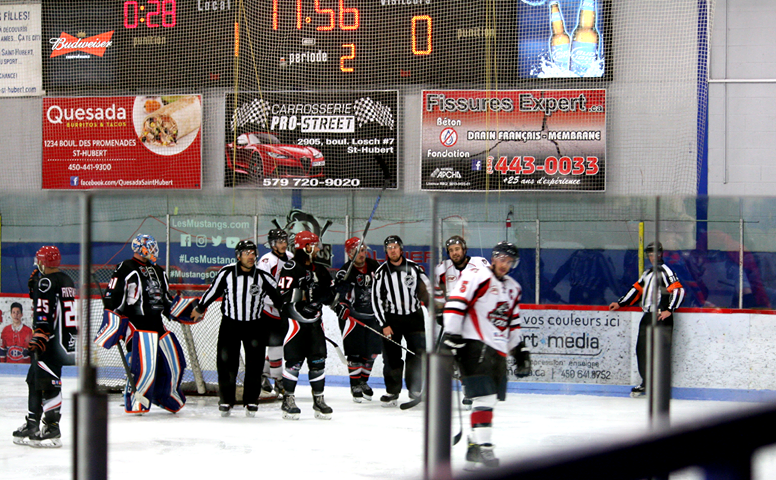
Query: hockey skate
478 456
21 436
289 408
638 391
389 400
367 392
225 409
250 410
322 411
358 395
48 437
279 387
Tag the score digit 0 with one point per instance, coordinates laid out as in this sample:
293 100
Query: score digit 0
415 20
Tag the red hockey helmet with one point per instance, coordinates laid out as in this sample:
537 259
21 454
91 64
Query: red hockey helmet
305 238
48 256
351 244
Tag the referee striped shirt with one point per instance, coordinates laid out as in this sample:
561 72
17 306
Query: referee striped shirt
671 290
396 289
243 292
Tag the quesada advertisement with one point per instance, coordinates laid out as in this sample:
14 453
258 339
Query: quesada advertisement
312 140
548 140
122 142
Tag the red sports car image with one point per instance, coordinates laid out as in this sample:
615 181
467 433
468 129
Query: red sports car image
259 155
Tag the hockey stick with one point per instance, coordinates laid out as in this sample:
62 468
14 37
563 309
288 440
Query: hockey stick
381 334
384 167
131 378
338 350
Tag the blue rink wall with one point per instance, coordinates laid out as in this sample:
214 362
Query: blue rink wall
567 276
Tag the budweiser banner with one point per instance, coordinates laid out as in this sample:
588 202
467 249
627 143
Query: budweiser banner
514 140
122 142
20 65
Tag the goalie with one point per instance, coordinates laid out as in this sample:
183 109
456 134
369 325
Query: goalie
137 296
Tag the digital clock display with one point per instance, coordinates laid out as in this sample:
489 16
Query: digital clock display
152 13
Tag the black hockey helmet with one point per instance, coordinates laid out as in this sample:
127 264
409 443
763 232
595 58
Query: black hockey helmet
506 249
393 239
651 248
244 245
455 240
277 234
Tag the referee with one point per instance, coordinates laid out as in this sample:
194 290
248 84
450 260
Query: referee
400 287
243 288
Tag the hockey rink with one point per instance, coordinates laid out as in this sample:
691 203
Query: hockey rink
361 441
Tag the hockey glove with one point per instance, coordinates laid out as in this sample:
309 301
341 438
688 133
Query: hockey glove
522 360
32 283
38 341
453 341
310 310
342 311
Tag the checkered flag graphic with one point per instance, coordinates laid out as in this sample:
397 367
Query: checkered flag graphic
255 111
368 110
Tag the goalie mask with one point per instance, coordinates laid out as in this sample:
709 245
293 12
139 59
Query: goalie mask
146 247
47 257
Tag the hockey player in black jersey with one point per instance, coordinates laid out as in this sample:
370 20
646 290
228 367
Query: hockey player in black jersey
354 310
53 344
304 286
137 297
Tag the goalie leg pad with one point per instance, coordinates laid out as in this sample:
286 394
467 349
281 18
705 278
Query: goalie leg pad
169 372
113 328
143 368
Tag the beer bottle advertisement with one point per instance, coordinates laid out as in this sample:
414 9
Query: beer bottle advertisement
561 39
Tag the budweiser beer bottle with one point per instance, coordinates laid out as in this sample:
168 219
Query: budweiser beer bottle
584 40
559 41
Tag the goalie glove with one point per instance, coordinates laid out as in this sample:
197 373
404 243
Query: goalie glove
182 309
38 341
522 360
342 311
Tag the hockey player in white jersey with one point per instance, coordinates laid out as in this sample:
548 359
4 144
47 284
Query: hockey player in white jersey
482 327
272 263
446 275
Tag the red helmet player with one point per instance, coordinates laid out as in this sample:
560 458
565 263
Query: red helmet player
48 256
350 246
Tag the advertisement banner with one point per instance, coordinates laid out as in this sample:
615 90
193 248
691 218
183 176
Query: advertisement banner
21 71
311 139
122 142
549 140
586 346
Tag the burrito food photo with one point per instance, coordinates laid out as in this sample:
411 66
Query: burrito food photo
168 124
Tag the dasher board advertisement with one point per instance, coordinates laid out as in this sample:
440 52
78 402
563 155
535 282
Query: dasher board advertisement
475 140
122 142
311 140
